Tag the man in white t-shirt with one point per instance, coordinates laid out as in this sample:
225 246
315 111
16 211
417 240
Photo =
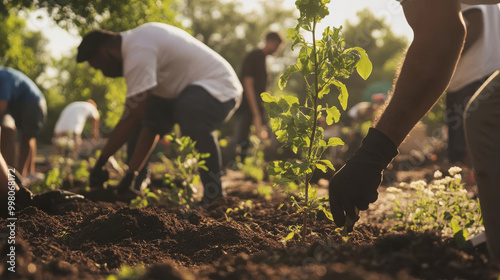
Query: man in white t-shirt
480 58
171 78
439 33
69 126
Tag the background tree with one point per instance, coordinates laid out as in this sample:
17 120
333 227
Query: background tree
21 48
117 15
74 82
384 48
232 31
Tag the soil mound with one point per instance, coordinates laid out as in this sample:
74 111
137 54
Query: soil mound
129 223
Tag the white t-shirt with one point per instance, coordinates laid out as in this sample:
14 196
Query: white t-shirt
482 58
166 59
74 116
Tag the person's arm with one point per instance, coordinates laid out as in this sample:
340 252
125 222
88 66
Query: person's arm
439 34
474 21
428 67
95 126
134 111
249 90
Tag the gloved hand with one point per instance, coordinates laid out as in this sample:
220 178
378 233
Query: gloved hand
127 182
355 185
99 174
24 197
49 201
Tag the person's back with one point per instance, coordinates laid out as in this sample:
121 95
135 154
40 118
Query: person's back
21 98
483 57
172 60
16 88
74 116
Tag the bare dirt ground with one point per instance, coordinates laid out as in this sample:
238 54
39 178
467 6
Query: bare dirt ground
91 239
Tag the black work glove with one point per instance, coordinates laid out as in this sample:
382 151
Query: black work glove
99 174
355 184
125 185
24 197
50 201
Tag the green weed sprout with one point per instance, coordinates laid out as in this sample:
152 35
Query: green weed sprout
323 63
182 176
244 208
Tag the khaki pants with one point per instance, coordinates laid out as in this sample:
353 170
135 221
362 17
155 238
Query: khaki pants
482 130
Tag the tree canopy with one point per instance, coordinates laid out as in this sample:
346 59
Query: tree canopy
383 46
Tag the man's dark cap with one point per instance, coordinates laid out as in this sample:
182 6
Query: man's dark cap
91 42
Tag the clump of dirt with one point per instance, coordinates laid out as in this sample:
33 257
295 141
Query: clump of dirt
211 241
128 223
91 239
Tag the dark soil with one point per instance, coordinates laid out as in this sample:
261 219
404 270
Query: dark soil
91 239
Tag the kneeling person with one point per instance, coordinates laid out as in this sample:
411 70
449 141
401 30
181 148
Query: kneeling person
171 78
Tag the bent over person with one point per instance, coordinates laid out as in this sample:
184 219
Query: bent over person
439 34
70 124
171 78
22 101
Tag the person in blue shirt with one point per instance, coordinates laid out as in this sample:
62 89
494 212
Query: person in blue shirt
21 99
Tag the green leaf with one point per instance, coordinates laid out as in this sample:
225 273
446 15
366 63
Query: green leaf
328 214
289 236
332 115
344 95
321 167
335 141
324 91
327 163
284 77
364 65
291 100
266 97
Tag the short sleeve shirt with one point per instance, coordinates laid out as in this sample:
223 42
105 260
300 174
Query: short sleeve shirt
165 60
254 66
74 116
16 87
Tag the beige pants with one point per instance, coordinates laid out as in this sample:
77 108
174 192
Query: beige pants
482 130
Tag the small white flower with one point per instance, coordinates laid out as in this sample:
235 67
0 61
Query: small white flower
190 162
393 190
454 170
445 181
428 192
463 191
419 185
438 174
457 176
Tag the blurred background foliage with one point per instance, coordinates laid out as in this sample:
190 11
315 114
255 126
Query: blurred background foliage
223 25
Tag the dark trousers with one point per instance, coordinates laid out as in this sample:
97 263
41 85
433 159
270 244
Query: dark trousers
198 114
455 105
144 173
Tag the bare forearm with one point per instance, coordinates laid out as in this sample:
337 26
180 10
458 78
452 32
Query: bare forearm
250 95
425 75
96 129
133 114
119 136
